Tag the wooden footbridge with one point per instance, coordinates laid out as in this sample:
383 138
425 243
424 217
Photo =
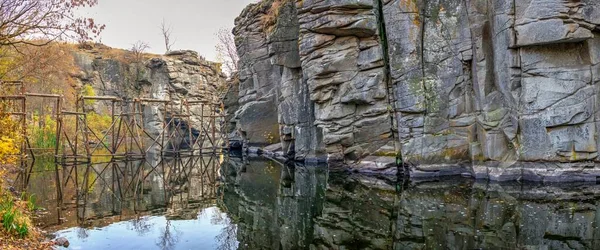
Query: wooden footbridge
180 128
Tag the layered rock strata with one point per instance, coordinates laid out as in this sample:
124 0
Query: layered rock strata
176 76
497 89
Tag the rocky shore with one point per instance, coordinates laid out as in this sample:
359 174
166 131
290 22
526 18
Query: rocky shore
495 90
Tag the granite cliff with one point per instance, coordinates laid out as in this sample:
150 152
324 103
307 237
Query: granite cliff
496 89
178 76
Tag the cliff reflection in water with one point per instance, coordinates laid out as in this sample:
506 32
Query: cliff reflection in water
263 204
302 207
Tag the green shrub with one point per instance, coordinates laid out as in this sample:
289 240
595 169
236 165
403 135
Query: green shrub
13 221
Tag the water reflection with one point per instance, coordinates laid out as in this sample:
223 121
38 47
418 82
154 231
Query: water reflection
160 233
304 207
96 194
129 204
263 204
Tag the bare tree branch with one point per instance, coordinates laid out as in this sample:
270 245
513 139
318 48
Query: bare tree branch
166 31
226 51
138 49
45 21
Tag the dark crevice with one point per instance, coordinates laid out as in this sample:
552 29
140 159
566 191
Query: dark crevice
423 19
402 167
387 72
386 59
563 238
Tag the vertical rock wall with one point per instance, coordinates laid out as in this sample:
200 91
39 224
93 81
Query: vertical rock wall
497 89
257 116
273 94
429 46
177 76
343 62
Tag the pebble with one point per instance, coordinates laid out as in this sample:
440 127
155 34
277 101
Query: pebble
62 241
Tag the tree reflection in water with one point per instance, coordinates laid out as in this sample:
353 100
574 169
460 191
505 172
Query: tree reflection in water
227 238
169 237
82 233
142 193
264 205
141 225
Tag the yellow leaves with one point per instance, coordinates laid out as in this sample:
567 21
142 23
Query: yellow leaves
6 64
88 90
98 123
8 150
10 138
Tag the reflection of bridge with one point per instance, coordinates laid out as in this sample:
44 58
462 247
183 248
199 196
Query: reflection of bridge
103 190
179 127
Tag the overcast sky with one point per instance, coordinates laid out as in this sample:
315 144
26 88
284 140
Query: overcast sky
194 22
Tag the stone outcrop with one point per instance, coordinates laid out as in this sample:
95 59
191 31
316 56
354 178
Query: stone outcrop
495 89
273 93
183 75
343 63
177 76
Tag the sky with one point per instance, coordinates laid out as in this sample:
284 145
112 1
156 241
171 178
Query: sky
193 22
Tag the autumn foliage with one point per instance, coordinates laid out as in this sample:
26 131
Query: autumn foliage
32 50
47 21
10 138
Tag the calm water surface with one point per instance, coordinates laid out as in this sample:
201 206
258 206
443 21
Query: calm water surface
202 203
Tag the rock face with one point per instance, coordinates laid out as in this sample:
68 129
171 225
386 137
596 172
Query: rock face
497 89
345 71
183 75
177 76
273 93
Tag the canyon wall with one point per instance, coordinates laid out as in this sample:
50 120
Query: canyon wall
496 89
179 76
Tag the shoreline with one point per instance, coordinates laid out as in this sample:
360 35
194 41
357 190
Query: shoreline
35 237
536 172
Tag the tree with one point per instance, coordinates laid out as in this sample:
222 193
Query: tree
28 31
166 31
138 49
226 50
46 21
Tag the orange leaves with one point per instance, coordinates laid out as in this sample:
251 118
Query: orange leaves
45 69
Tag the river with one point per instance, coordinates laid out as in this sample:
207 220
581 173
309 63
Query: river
235 203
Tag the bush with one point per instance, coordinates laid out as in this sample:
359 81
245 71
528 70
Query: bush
10 138
13 220
269 19
88 90
42 132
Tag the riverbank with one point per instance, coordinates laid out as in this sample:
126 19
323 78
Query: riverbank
385 164
17 230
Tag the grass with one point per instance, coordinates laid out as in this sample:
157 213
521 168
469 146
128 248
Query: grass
17 230
269 19
29 201
14 221
42 132
41 138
